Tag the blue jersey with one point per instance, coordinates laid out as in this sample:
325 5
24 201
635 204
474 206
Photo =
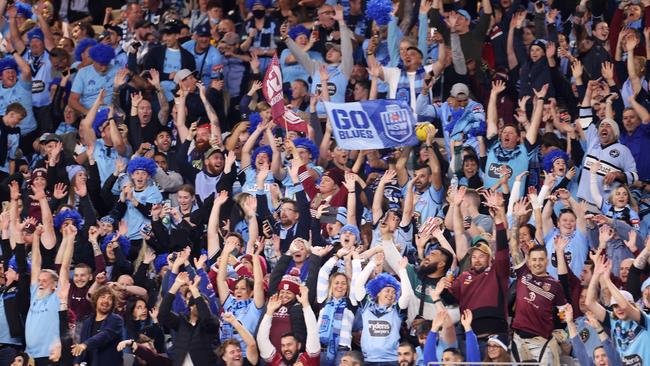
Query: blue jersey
246 312
295 71
380 335
336 86
133 217
205 62
89 82
42 325
631 338
21 93
171 64
575 252
501 161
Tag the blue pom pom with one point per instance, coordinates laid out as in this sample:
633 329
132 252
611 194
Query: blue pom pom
298 30
307 144
378 283
380 11
124 243
102 54
100 119
255 119
146 164
65 215
82 46
261 150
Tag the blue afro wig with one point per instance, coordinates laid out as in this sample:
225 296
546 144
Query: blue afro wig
380 11
82 46
378 283
13 265
294 32
261 150
265 3
102 54
124 243
24 9
553 155
100 119
8 63
255 119
305 143
160 261
146 164
65 215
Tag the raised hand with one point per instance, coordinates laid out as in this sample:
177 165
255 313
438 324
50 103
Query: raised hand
576 69
154 78
498 86
541 94
60 191
388 176
466 319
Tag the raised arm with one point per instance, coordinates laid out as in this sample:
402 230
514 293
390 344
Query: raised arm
378 198
259 296
222 286
86 126
591 301
23 67
492 115
214 224
252 353
536 119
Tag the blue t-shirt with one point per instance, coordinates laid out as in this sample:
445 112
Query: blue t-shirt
429 203
380 334
42 325
501 161
89 82
336 86
19 93
133 217
575 252
205 63
631 338
171 64
246 312
105 157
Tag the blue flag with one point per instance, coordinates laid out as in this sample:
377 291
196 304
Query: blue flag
373 124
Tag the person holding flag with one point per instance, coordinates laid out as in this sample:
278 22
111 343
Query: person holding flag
338 59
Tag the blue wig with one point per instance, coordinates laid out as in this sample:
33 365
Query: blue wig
160 261
380 11
146 164
250 3
307 144
102 54
82 46
255 119
24 9
8 63
65 215
100 119
261 150
378 283
294 32
13 265
553 155
124 243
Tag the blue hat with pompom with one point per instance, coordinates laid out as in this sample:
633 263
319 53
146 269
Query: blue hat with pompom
124 243
307 144
82 46
140 163
380 11
378 283
69 214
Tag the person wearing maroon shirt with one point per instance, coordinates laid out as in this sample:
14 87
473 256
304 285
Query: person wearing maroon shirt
538 297
483 288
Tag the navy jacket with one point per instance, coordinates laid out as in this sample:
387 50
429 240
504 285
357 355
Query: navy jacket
102 347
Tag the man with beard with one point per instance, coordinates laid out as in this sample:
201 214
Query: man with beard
291 348
100 333
406 354
423 280
483 288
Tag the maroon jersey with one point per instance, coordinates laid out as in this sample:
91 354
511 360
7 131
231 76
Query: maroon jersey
537 299
304 358
280 325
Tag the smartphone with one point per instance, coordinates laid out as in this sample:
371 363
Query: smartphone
266 235
147 229
136 44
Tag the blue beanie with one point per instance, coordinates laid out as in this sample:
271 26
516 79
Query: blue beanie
378 283
24 9
294 32
8 63
353 229
102 54
553 155
124 243
100 119
380 11
261 150
13 265
72 170
36 33
255 119
65 215
140 163
108 219
82 46
307 144
160 261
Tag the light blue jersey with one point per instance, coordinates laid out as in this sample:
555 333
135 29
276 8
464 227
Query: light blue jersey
21 93
501 161
133 217
205 63
171 64
295 71
631 339
575 252
380 335
42 325
89 82
336 86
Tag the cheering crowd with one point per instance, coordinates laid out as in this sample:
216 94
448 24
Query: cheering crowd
156 211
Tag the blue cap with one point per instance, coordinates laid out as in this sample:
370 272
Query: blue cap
203 30
36 33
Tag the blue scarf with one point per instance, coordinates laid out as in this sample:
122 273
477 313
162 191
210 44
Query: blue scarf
330 329
404 85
